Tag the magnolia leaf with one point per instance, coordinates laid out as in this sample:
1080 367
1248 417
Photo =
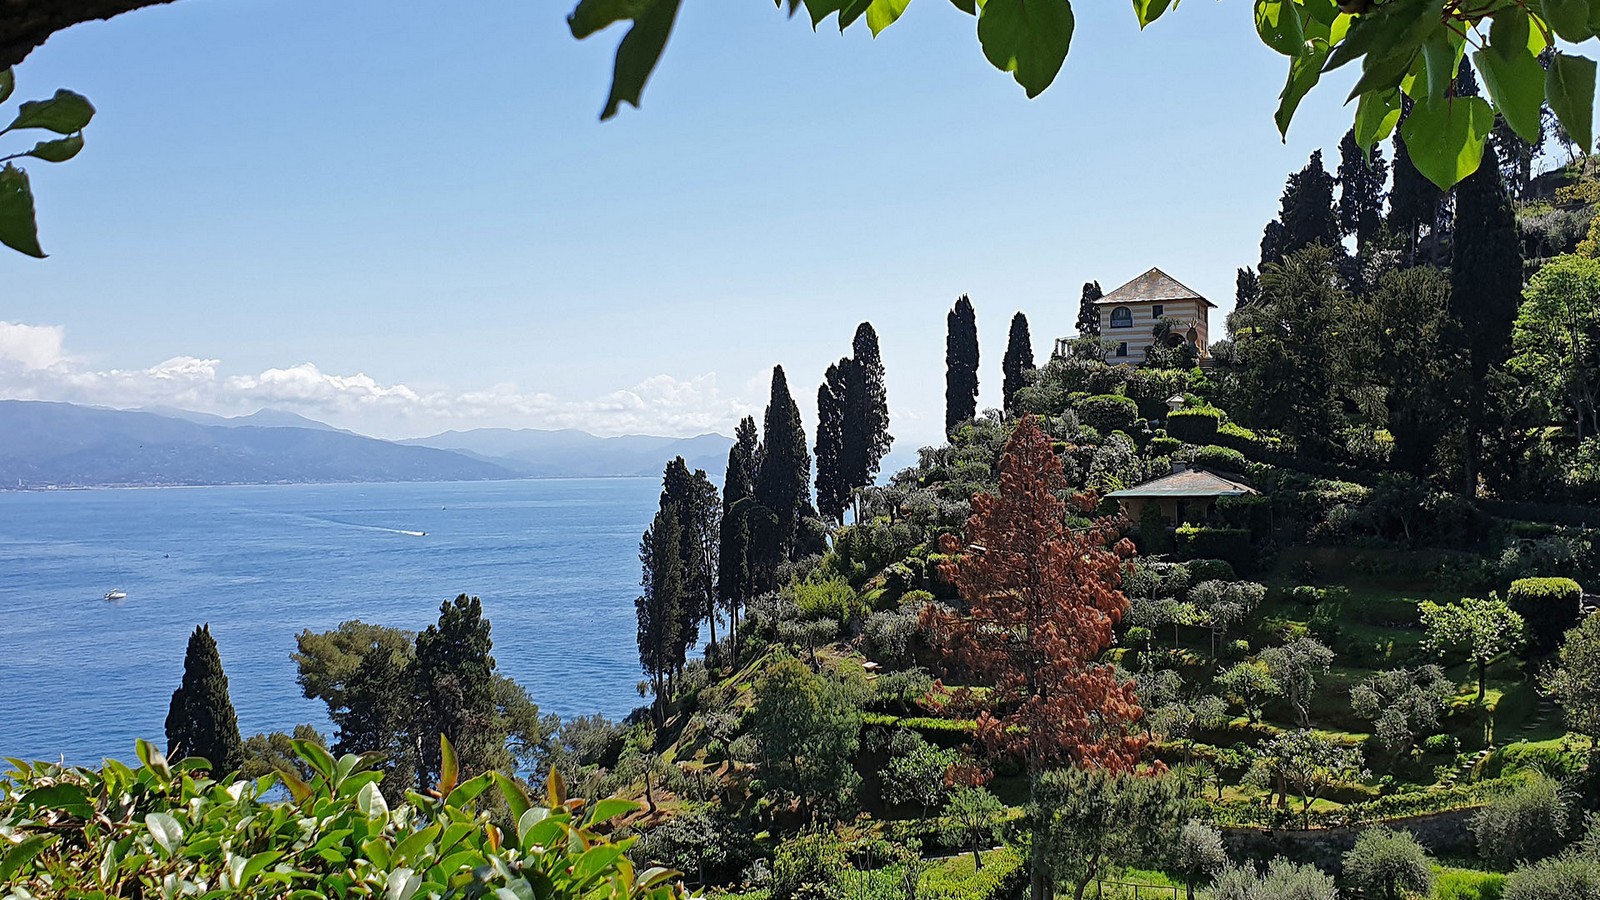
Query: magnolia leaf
166 830
1569 18
516 798
1278 24
883 13
1445 138
256 864
370 801
18 230
1028 38
1517 87
65 113
1569 88
8 83
1148 11
638 54
1304 72
555 788
590 16
611 807
1377 113
58 150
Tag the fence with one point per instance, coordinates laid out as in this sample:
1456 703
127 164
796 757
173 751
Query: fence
1133 890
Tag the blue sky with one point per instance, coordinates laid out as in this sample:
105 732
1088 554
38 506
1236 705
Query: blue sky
407 217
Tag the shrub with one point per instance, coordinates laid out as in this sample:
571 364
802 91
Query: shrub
1530 822
1108 412
1196 425
887 636
1442 743
1164 446
1224 458
1138 637
1567 878
1231 544
1388 864
808 867
1154 539
825 598
1466 884
1283 880
1209 570
956 878
1549 606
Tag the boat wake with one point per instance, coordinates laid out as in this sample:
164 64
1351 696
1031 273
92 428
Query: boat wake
405 531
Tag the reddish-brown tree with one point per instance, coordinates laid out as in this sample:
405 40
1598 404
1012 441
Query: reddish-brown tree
1042 600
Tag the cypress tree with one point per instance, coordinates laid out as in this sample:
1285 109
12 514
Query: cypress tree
1274 239
692 500
832 492
739 481
1307 211
1246 288
1088 313
961 365
201 721
659 607
866 435
454 682
783 480
733 548
1018 361
1485 290
1361 190
1414 201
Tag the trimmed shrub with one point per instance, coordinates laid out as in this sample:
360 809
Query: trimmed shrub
1164 446
1223 458
1195 426
1230 544
1210 570
955 878
1549 606
1108 412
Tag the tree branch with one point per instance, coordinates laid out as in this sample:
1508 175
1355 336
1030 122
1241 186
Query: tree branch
27 24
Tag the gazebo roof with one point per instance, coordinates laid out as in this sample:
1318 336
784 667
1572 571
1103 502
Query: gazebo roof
1190 483
1154 285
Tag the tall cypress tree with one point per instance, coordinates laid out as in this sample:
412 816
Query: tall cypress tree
454 681
733 551
832 492
1246 288
692 500
659 607
1361 190
1485 290
1088 312
783 483
866 436
1306 210
1414 201
1018 361
200 720
960 365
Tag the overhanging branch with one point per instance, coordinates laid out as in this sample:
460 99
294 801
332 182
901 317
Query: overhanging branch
26 24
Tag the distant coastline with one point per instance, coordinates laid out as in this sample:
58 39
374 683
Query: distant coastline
155 486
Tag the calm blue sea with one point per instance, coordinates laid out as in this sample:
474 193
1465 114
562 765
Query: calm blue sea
555 562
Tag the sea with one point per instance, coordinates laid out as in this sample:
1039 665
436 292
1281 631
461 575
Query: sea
555 562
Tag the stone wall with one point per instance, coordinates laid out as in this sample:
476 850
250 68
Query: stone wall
1445 833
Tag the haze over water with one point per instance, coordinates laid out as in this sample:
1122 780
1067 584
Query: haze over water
555 562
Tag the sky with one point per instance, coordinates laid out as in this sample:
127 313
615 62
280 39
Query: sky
404 218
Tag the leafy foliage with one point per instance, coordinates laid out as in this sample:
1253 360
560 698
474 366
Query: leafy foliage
65 114
1574 683
1388 865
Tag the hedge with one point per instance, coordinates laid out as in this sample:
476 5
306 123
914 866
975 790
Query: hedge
1196 426
1549 606
1108 412
1230 544
1210 570
1225 458
1467 884
955 878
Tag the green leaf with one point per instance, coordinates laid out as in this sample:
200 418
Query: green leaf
20 855
970 7
883 13
821 9
68 798
516 798
1442 51
65 113
467 791
449 768
1148 11
1278 24
258 863
1028 38
8 83
1304 72
1569 87
1569 18
403 884
1517 87
611 807
638 54
370 801
1508 33
1377 113
1445 138
166 830
18 230
590 16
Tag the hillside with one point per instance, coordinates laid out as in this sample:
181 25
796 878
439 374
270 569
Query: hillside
572 453
64 445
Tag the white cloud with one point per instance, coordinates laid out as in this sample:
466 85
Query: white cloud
34 366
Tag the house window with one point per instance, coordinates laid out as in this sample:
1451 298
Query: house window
1122 349
1122 317
1155 311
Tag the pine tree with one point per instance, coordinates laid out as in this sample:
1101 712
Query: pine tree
659 607
1018 361
1485 290
961 365
1088 312
832 492
454 682
783 481
1361 190
1247 288
201 721
866 435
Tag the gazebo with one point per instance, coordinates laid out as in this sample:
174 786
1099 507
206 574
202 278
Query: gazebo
1187 494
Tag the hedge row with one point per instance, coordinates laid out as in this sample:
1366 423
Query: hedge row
957 879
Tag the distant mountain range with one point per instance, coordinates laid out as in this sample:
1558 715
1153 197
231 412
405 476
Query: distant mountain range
44 444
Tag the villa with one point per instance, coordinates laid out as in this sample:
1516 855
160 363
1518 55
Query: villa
1129 316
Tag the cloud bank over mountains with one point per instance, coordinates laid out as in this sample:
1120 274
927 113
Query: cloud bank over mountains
35 365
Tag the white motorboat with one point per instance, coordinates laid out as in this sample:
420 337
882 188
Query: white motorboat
116 594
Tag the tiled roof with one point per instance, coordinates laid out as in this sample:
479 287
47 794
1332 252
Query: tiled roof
1152 285
1193 483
